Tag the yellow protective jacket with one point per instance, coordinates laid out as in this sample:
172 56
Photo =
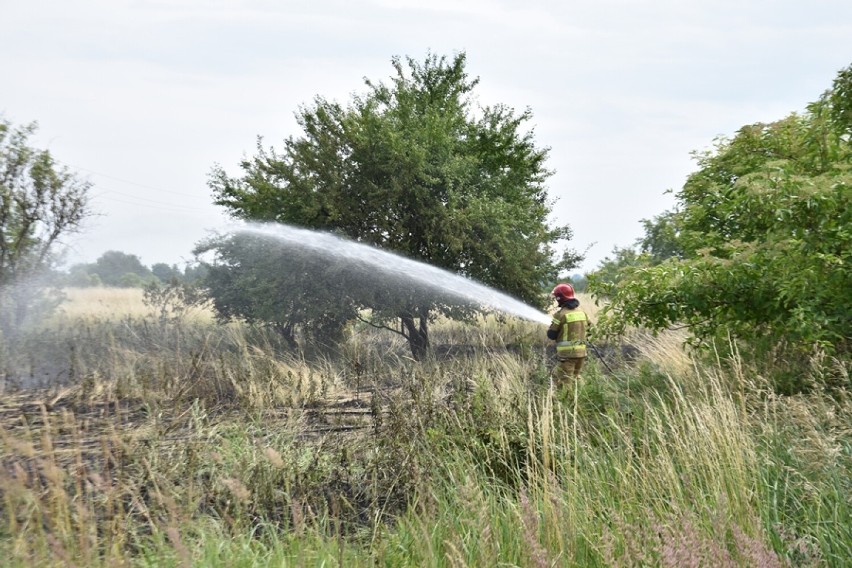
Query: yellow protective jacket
569 326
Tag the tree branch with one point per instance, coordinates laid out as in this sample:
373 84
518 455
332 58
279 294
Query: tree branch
688 325
380 326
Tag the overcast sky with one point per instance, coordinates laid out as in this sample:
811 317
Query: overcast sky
142 97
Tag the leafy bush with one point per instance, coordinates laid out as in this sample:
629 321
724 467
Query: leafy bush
760 244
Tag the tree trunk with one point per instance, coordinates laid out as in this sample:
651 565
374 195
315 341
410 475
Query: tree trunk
288 332
417 334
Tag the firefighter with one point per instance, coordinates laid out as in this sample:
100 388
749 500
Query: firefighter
569 331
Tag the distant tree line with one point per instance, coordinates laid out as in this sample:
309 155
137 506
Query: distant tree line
122 270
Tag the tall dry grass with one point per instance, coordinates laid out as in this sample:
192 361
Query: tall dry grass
104 303
186 443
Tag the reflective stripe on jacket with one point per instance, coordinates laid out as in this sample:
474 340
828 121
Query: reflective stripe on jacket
570 328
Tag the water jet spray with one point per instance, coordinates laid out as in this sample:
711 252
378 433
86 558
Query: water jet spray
390 265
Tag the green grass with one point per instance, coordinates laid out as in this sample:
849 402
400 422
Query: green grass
190 444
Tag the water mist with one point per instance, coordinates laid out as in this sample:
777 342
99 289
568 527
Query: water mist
393 266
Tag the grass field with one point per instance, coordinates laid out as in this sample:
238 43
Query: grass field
92 304
181 442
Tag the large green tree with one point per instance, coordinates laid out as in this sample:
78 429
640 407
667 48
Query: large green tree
412 166
760 242
40 203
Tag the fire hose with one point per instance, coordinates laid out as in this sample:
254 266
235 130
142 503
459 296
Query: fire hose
600 357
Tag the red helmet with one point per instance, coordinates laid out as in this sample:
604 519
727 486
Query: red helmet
563 292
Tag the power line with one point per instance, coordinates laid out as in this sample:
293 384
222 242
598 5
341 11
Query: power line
123 180
144 202
140 201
